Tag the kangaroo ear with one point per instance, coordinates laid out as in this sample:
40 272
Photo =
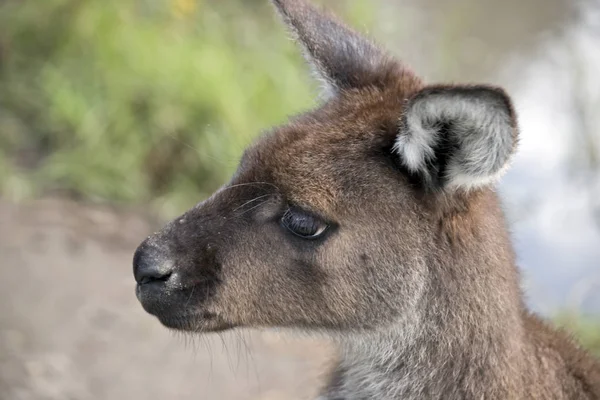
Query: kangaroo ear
341 58
457 137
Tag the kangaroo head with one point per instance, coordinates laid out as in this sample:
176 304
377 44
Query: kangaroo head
350 216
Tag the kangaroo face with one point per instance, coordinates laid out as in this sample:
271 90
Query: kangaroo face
331 221
289 241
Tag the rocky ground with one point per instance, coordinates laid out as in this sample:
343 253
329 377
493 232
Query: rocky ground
71 327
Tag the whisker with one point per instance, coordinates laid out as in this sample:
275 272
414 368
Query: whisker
253 362
206 343
189 297
225 350
250 184
252 201
252 208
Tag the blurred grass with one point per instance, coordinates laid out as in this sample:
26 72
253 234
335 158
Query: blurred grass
147 101
138 101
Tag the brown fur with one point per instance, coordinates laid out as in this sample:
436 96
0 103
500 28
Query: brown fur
415 278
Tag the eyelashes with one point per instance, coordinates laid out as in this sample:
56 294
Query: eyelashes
303 224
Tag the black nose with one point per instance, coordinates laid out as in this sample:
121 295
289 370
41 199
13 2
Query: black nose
151 264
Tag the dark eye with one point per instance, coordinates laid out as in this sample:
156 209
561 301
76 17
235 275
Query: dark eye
302 224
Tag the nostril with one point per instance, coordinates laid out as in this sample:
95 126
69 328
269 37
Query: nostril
151 265
154 278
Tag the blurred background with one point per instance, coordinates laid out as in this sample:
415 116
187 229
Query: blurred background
116 115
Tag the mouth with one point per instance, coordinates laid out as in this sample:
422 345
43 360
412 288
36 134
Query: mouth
200 322
180 309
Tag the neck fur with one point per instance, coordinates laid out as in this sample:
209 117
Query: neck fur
435 362
467 340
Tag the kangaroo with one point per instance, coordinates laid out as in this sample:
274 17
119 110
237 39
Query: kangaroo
371 219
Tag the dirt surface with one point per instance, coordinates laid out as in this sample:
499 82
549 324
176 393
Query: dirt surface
71 327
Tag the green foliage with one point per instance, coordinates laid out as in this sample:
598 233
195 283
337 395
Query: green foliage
138 100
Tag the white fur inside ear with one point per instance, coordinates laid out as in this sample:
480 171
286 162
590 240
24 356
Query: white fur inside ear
479 136
416 145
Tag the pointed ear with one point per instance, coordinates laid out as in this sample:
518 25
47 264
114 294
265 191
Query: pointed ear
341 58
457 137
